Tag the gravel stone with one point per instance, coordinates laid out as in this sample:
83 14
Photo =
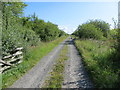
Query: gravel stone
75 75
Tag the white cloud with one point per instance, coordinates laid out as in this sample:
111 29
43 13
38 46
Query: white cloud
67 29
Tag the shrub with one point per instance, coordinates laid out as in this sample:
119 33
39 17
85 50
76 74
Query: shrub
17 37
89 31
100 24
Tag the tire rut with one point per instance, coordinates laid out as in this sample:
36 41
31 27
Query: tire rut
75 75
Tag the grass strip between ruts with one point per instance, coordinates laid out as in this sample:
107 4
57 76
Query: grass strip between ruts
55 79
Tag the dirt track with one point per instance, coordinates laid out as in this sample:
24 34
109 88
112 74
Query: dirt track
75 75
35 77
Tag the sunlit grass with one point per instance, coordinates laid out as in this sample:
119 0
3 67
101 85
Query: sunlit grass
32 57
98 61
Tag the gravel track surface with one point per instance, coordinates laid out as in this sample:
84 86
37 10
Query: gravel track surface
75 75
35 77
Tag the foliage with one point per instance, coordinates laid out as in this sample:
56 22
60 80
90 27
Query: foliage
98 59
102 25
117 47
119 41
46 31
15 37
89 31
19 31
95 29
113 34
12 36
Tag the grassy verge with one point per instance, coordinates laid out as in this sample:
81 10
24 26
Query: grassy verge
98 59
56 78
32 57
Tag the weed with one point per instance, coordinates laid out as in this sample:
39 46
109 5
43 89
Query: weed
98 61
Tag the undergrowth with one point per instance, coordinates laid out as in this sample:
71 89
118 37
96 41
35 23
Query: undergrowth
98 58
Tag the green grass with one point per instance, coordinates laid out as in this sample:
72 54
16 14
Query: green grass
56 78
32 57
98 60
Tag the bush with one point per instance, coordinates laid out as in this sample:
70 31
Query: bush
89 31
113 34
95 29
17 37
102 25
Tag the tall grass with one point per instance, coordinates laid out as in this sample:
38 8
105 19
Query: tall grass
32 57
98 60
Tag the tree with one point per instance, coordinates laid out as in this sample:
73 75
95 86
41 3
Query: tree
89 31
19 31
11 10
101 25
14 33
47 31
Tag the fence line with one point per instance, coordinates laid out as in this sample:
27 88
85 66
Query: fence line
11 60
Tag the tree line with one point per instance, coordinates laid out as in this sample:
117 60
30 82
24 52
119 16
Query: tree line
21 31
95 29
100 30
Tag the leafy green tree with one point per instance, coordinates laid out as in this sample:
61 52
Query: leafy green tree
11 10
62 33
19 31
89 31
93 29
46 31
14 34
102 25
51 31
